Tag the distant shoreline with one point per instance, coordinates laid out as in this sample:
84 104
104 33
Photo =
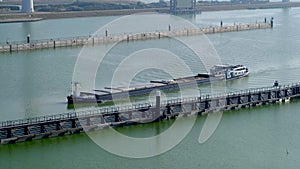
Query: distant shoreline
22 17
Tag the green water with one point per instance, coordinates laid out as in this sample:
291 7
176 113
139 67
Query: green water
35 83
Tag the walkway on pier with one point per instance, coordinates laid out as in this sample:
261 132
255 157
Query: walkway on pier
79 41
55 125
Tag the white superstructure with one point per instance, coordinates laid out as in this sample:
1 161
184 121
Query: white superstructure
27 6
230 71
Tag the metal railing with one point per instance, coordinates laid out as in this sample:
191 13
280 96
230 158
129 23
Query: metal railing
137 107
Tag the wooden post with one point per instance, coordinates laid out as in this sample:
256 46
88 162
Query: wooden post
9 133
73 123
26 131
239 100
130 115
206 106
88 121
227 101
259 97
117 117
42 128
58 126
249 97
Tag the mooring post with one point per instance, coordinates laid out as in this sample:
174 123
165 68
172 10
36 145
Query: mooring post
28 38
271 22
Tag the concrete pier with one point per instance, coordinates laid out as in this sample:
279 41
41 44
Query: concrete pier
12 131
107 38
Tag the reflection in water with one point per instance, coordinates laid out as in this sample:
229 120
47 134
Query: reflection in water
27 29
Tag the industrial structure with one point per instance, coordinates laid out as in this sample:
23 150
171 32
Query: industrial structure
27 6
249 1
182 6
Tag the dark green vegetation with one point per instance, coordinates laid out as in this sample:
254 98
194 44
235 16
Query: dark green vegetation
90 6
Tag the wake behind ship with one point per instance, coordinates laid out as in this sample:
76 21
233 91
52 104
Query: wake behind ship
217 73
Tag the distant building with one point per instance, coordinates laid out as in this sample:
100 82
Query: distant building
249 1
27 6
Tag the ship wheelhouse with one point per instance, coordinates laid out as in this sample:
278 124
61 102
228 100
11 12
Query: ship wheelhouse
229 71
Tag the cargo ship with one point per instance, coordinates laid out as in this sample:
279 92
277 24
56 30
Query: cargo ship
217 73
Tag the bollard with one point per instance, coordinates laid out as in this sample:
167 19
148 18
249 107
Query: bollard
28 38
271 22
